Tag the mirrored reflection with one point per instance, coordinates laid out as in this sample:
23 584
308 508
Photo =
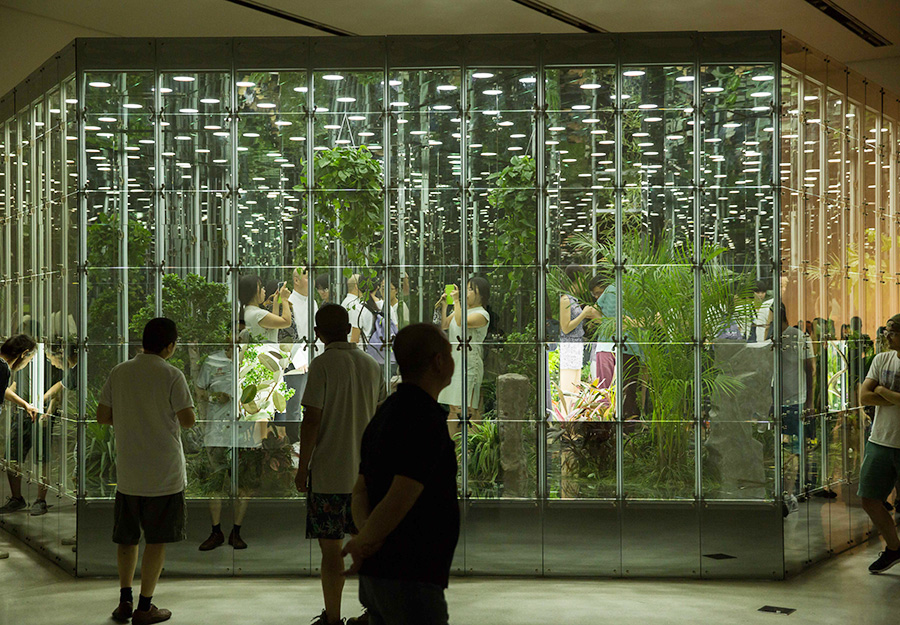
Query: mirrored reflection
653 289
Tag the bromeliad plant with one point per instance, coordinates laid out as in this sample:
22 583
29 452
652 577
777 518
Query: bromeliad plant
593 403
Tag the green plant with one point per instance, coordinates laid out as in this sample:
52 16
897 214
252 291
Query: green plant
100 459
483 460
263 391
199 307
657 299
592 403
107 279
349 206
514 244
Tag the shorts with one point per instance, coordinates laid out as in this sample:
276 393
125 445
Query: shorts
162 519
879 472
220 469
21 423
571 355
328 516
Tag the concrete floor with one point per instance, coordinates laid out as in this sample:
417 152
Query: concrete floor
840 590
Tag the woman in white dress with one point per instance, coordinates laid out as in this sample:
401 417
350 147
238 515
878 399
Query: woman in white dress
478 320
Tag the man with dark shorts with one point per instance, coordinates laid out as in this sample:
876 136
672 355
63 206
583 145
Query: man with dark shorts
147 402
344 388
405 500
881 463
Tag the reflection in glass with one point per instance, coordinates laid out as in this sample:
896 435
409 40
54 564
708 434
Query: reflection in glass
650 294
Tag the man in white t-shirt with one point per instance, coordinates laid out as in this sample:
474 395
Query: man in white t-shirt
881 464
344 388
147 402
763 314
296 375
362 321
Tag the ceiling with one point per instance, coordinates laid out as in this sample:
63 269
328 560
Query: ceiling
32 30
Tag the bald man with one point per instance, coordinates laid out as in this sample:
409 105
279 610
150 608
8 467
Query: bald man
405 501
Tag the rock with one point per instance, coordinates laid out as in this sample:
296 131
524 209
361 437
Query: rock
513 392
734 455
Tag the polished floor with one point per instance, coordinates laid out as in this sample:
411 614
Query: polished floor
35 592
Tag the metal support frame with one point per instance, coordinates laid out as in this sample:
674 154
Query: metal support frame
390 253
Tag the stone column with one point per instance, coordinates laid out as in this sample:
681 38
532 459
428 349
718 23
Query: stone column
513 391
730 446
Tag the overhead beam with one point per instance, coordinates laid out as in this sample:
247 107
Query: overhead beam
292 17
851 23
559 15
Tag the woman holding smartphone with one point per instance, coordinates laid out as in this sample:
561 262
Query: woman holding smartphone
478 322
263 325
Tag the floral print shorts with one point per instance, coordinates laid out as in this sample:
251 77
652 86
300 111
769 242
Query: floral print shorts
328 516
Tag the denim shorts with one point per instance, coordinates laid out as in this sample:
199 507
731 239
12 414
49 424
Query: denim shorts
879 472
401 602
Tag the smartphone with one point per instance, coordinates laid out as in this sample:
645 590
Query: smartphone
448 289
278 292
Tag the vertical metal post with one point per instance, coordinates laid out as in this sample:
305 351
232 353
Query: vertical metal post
121 156
232 229
822 411
542 379
697 244
877 153
158 200
776 300
618 268
310 218
464 265
5 279
843 233
83 355
386 248
802 239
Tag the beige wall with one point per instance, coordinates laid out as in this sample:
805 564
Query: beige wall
33 30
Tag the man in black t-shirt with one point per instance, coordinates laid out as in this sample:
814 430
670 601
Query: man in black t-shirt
405 500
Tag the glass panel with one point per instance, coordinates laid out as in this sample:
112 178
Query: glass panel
616 222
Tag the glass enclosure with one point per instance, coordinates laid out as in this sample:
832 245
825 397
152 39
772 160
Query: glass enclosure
608 227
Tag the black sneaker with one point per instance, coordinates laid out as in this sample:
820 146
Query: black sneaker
13 504
322 619
362 619
39 507
886 559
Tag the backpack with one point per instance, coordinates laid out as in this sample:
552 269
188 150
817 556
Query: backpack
376 344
